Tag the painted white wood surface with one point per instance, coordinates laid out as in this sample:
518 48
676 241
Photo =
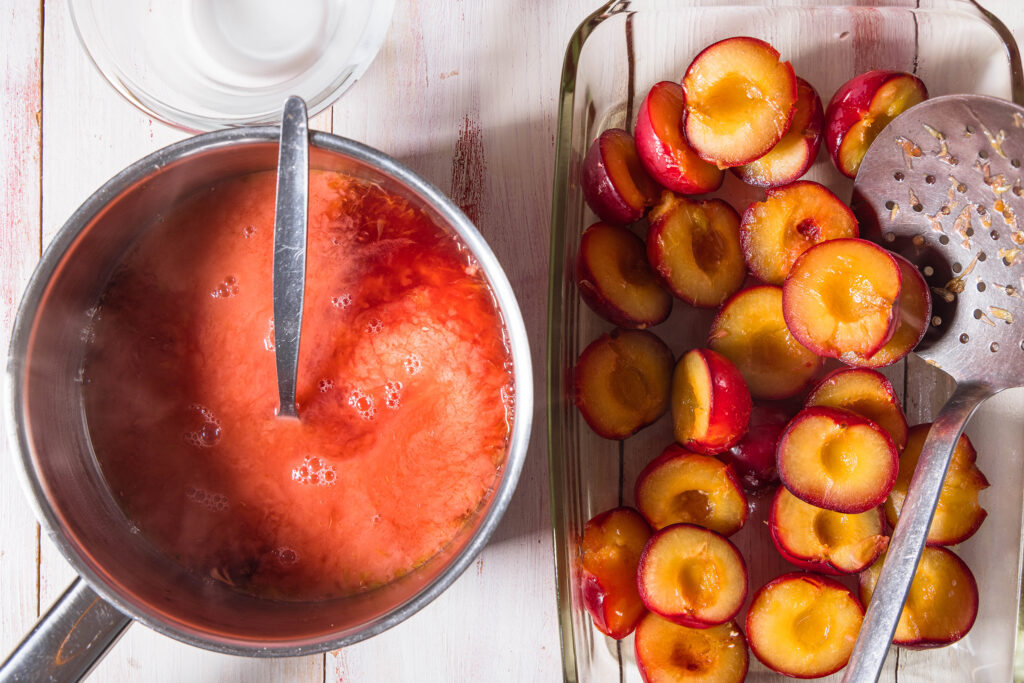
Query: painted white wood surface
20 156
464 92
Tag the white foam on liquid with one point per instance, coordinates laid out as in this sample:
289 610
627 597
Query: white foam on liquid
268 338
208 433
393 394
315 471
363 404
226 289
215 502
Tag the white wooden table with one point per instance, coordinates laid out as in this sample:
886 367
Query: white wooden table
464 92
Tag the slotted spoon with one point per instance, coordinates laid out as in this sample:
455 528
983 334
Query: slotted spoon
941 185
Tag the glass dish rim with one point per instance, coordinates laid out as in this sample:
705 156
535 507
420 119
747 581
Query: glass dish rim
370 41
556 269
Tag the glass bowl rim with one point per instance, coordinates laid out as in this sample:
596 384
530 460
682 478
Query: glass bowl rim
94 46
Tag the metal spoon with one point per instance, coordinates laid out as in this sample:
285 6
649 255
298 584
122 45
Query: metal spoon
290 249
942 185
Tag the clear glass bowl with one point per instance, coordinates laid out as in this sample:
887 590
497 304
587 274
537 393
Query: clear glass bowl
612 60
209 64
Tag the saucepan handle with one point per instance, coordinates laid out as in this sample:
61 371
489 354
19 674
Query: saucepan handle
908 539
67 641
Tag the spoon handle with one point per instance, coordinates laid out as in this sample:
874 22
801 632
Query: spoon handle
68 641
908 539
290 248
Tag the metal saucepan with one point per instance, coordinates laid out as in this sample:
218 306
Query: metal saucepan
123 577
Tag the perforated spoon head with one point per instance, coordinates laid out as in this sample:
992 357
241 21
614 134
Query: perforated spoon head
942 186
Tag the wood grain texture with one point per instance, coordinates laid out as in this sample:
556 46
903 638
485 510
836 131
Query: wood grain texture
463 92
20 156
473 113
91 134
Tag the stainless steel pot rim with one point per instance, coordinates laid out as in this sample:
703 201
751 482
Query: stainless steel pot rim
139 171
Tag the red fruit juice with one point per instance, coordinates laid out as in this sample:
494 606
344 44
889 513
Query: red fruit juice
404 391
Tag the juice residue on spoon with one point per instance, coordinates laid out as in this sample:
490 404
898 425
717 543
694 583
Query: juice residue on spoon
404 391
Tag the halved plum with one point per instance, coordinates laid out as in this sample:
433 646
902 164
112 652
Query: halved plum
683 487
942 603
662 146
669 653
836 460
694 247
959 514
824 540
796 151
750 330
866 393
861 108
622 382
614 182
804 625
710 402
692 576
840 299
914 314
612 544
753 457
739 101
615 279
792 219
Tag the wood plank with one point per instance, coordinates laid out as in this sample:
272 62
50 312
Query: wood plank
91 133
472 110
20 154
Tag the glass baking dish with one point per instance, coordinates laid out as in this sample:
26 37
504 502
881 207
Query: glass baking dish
612 60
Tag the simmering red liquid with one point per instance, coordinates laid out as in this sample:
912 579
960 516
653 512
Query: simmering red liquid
404 390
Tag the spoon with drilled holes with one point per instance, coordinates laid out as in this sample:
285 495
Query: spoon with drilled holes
290 249
941 185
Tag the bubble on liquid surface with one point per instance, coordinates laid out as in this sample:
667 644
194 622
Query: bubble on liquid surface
315 472
375 326
363 404
508 395
393 394
341 301
268 338
248 231
226 289
208 433
215 502
286 555
508 400
412 364
325 385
